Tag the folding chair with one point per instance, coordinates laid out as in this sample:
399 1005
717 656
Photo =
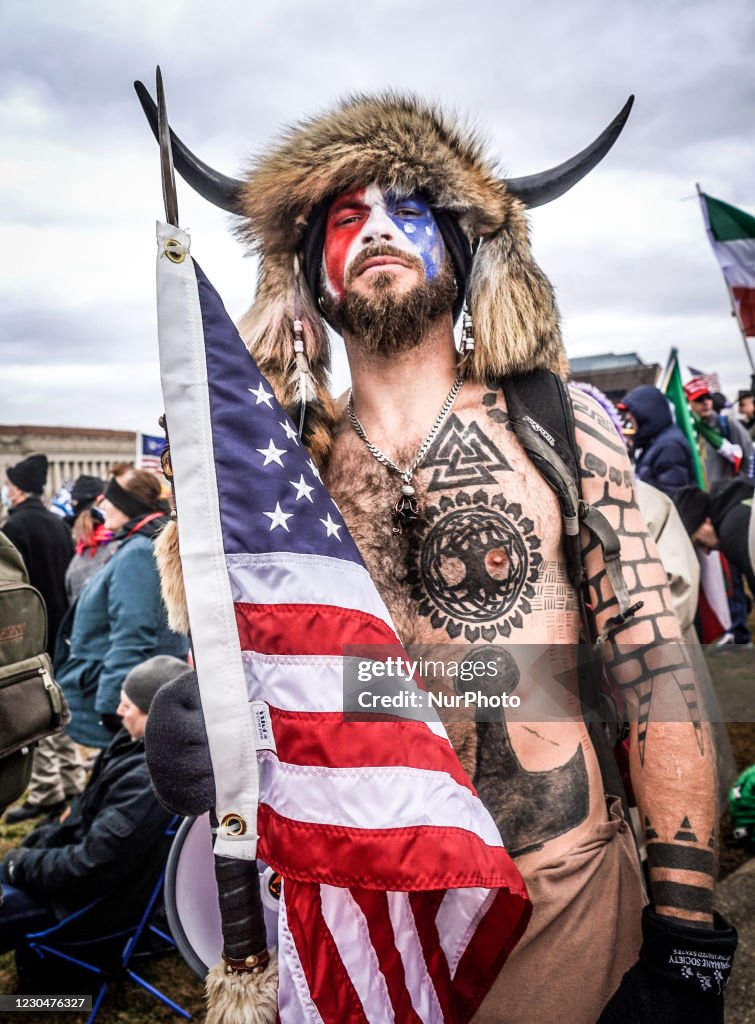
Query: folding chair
107 956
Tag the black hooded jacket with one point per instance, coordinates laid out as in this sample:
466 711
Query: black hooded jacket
663 456
108 844
730 510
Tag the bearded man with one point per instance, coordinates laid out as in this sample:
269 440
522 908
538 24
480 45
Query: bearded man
382 217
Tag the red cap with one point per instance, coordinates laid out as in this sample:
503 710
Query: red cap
696 388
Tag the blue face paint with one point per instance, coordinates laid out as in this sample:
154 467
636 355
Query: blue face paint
415 219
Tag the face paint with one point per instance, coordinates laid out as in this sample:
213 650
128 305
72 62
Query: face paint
369 217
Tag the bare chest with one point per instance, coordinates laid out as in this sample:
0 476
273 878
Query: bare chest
484 561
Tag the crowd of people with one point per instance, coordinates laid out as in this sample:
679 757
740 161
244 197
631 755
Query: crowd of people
715 510
469 542
111 649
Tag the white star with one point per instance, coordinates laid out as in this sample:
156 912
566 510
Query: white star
261 395
272 454
290 432
303 490
331 527
314 469
278 518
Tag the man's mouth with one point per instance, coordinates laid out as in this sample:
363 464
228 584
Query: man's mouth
374 262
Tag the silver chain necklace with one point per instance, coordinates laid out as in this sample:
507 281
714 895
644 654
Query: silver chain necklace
406 508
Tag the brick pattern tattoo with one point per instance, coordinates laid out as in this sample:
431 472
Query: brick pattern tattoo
646 659
640 667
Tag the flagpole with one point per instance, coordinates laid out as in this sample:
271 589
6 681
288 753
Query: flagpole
734 311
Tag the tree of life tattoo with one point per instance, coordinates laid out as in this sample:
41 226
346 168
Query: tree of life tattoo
473 564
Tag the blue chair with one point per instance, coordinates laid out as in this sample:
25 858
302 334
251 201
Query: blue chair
107 956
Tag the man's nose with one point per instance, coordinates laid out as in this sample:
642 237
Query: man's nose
377 228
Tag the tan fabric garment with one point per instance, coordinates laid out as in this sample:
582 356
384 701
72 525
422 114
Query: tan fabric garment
584 932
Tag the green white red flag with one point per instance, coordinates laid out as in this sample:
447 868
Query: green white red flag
713 607
732 234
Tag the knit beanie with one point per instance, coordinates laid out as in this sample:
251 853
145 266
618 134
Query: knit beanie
30 474
87 488
143 681
693 506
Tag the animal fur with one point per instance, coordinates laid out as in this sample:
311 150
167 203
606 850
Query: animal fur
242 998
405 145
171 577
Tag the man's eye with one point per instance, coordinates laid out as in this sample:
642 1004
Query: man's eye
350 218
408 211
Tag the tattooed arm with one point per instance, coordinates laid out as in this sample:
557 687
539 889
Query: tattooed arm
672 763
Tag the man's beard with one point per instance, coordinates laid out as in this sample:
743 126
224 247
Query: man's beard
385 322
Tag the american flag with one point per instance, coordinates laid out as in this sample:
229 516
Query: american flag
399 901
711 379
149 450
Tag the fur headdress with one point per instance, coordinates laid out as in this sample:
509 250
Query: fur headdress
407 145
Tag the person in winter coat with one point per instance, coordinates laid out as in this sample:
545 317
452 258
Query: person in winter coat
109 841
120 618
722 521
42 538
662 454
44 542
91 537
734 457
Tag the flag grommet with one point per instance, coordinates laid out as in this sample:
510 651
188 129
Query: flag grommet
233 825
174 250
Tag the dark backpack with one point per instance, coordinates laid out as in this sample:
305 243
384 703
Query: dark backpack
32 705
541 414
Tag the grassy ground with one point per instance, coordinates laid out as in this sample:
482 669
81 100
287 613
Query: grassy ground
126 1003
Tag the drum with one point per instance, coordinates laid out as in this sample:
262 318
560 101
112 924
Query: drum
191 896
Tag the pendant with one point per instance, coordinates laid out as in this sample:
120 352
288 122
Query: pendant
405 510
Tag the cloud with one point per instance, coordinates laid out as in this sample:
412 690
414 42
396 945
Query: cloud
80 189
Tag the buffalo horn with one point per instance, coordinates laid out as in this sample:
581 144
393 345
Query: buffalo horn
538 189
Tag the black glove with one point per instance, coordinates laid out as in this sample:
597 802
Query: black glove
178 755
10 861
680 976
111 721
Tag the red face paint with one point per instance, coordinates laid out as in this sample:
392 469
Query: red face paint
346 216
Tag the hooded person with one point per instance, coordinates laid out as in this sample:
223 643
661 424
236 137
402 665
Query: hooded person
662 455
381 218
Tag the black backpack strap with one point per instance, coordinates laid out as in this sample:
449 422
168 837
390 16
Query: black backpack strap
549 439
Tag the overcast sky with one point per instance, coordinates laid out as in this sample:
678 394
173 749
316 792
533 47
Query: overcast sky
79 169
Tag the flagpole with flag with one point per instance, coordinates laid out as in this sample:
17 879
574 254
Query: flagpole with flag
149 448
715 617
672 387
395 876
731 232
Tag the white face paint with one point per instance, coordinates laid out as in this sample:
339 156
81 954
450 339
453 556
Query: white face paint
369 217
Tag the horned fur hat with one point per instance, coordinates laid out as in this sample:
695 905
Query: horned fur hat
405 145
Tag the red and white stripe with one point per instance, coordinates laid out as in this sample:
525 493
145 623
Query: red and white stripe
399 900
353 813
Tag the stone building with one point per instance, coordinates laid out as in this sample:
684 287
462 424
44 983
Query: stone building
615 375
71 451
